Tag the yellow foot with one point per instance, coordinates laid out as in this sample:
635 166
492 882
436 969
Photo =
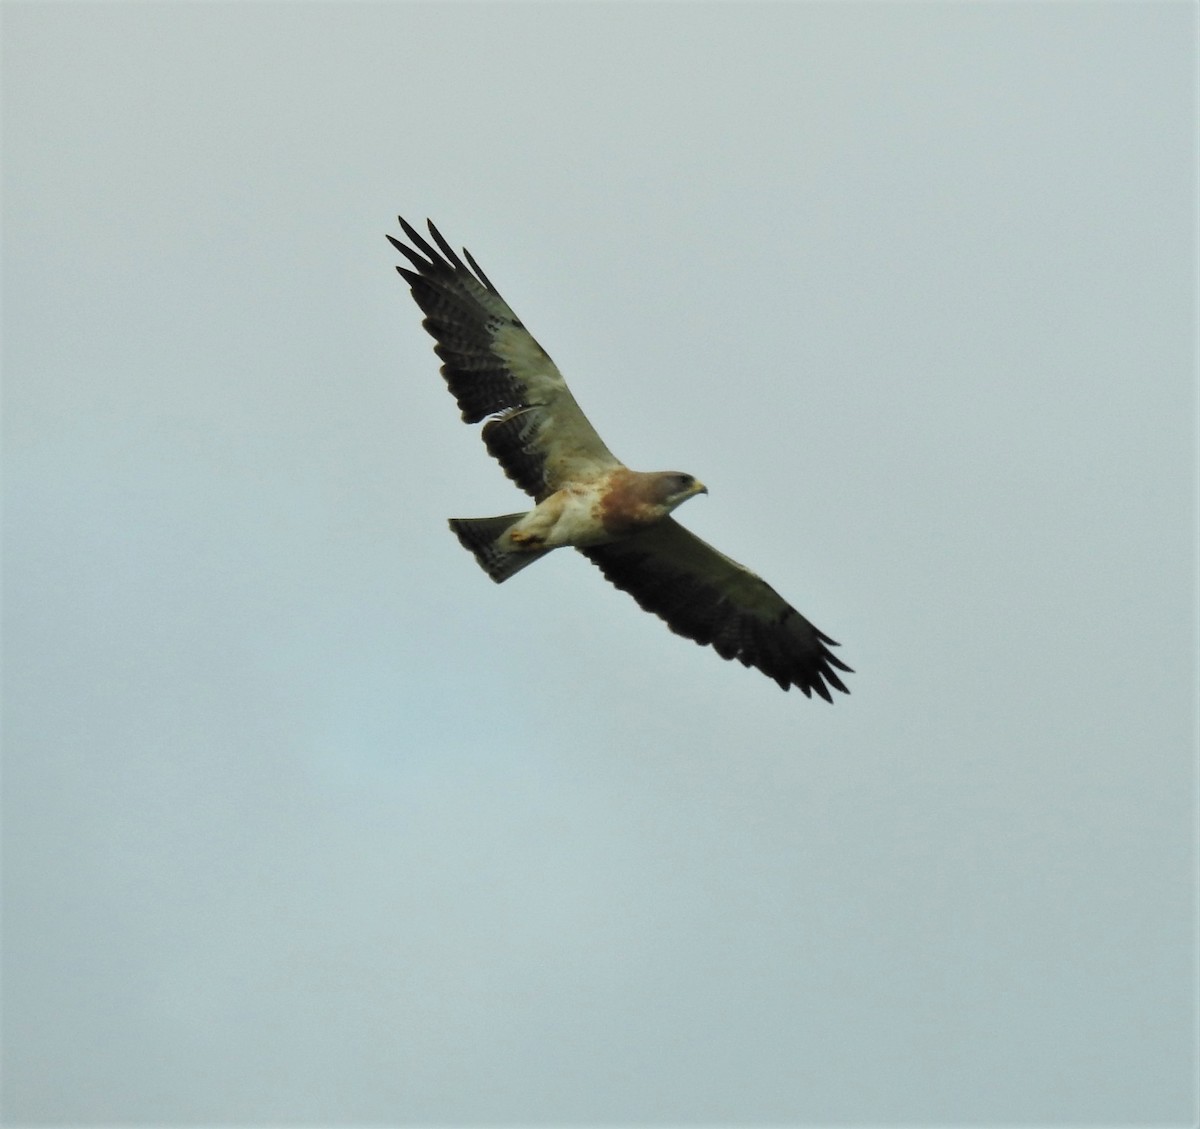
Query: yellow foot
525 540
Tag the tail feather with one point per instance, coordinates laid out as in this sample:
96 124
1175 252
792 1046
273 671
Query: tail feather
480 536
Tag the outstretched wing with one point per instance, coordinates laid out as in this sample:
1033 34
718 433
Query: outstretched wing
496 369
704 595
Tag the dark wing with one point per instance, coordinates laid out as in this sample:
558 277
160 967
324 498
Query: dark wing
496 369
704 595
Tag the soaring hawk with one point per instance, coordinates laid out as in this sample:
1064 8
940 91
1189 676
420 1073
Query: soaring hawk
587 498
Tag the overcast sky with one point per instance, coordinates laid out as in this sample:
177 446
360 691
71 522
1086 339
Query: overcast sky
306 822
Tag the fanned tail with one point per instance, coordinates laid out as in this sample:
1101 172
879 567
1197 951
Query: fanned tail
480 536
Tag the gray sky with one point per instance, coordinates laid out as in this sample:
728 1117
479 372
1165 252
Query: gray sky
306 822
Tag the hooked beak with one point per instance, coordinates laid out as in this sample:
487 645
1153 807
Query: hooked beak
699 488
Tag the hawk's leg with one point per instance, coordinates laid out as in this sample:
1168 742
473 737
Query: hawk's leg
526 540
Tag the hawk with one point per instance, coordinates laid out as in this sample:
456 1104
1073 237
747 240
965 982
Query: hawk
584 496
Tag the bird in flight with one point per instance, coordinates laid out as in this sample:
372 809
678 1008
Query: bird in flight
584 496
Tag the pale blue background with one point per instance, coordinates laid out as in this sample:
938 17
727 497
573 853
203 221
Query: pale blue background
308 823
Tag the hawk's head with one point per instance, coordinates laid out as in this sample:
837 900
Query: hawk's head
671 488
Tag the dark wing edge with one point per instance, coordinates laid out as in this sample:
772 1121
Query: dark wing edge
705 596
496 370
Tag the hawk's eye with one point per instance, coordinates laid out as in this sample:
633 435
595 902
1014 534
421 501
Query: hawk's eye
684 481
